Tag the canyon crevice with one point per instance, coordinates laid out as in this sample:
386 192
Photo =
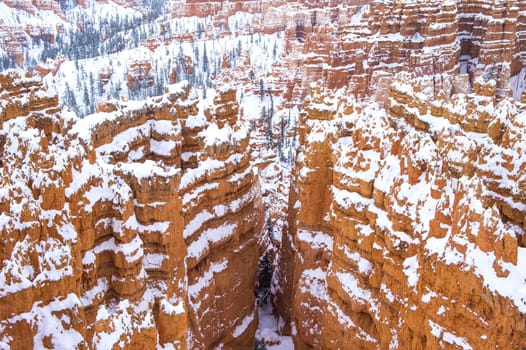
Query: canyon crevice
359 165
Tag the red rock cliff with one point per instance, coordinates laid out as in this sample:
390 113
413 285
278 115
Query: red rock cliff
407 223
107 241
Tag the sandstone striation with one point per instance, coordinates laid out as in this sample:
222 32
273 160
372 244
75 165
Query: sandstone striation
407 223
362 45
108 240
223 215
394 220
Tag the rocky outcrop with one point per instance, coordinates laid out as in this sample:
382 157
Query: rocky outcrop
139 74
51 66
362 45
108 241
35 5
407 224
223 215
216 8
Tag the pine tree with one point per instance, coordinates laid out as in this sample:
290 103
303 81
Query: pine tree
91 84
87 101
260 345
261 89
281 140
265 271
271 110
69 99
263 114
205 59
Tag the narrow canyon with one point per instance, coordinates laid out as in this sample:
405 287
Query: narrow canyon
309 174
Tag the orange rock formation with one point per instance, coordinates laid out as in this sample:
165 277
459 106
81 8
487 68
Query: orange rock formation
106 240
407 224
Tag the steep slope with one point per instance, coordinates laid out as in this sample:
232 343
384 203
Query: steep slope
411 234
380 184
101 246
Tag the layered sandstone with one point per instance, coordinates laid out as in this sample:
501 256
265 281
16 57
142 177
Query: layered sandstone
405 221
108 241
223 215
139 74
219 9
407 224
35 5
362 45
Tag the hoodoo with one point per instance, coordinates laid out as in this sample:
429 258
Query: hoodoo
263 174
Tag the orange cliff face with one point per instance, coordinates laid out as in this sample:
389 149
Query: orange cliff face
362 45
140 226
107 241
218 8
223 213
407 223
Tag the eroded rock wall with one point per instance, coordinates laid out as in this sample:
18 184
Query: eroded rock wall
224 216
407 223
108 240
362 45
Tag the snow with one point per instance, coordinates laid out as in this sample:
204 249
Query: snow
199 247
380 166
54 263
343 319
364 266
196 223
149 169
387 174
411 270
205 168
169 309
479 262
163 148
517 84
417 38
196 121
263 49
131 251
52 320
351 286
214 136
242 327
347 200
441 310
316 239
357 18
197 193
268 331
13 17
97 292
320 130
123 320
448 337
216 212
313 282
204 281
154 227
153 261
